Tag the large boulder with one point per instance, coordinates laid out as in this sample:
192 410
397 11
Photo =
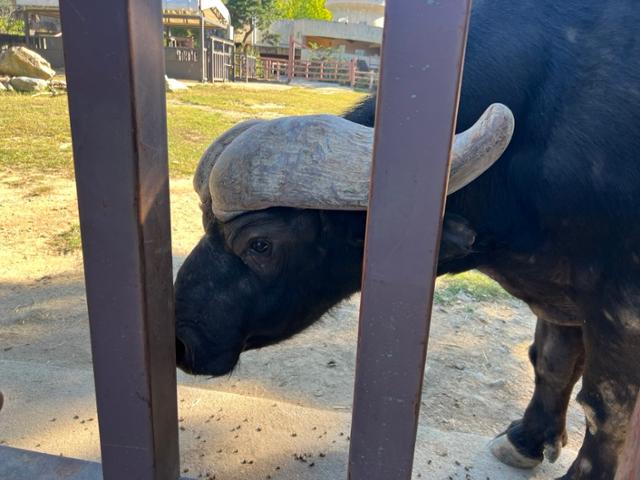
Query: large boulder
22 62
28 84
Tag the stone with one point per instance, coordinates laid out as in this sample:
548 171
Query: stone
2 87
174 85
22 62
58 84
28 84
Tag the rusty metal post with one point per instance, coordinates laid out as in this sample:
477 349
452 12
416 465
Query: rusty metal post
417 109
292 59
115 72
353 67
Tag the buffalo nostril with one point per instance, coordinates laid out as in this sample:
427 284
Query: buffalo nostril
181 351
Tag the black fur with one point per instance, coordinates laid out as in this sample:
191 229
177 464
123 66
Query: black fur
555 221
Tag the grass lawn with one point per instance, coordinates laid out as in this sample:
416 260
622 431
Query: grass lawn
35 136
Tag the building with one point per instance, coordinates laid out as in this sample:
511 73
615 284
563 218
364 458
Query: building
354 33
190 26
368 12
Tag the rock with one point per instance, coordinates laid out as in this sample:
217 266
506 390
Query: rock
28 84
174 85
58 84
2 87
22 62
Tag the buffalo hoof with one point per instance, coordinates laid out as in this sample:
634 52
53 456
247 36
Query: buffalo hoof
502 448
552 450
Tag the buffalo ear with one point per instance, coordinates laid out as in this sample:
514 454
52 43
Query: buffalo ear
458 238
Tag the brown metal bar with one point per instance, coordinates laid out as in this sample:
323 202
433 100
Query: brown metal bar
115 72
417 109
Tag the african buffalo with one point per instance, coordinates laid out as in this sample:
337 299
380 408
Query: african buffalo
555 220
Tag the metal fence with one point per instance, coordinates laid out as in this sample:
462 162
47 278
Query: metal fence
220 55
120 151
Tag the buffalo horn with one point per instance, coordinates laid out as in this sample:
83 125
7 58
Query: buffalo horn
322 162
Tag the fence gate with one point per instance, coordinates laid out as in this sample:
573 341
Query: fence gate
220 60
115 75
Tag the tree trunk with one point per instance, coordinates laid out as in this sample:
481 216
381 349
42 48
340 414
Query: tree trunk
246 37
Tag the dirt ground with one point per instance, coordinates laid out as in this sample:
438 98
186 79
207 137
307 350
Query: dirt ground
478 377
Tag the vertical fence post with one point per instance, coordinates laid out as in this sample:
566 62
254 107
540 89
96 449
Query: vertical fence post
352 72
292 58
203 72
417 109
27 28
115 72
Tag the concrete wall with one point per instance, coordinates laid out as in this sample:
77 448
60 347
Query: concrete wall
50 48
183 63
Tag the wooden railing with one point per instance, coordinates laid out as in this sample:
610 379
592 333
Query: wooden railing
331 71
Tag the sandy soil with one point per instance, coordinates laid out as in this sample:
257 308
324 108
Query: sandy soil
478 377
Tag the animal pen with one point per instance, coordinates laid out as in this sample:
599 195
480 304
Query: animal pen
120 149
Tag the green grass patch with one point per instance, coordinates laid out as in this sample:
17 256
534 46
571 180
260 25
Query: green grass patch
251 101
36 137
471 284
33 130
66 242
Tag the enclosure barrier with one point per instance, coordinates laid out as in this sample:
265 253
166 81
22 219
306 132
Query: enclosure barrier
416 113
118 125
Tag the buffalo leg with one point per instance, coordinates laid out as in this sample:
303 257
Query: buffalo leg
557 355
609 390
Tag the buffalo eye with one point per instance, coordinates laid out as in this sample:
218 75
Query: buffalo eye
260 246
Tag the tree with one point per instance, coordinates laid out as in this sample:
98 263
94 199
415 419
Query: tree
252 14
313 9
9 22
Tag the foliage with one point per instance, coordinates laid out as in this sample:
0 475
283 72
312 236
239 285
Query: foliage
9 22
295 9
272 39
67 242
322 54
473 285
249 15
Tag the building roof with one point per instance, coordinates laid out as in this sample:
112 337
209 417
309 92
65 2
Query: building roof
214 11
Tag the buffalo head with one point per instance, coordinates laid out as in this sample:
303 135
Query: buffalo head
284 205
